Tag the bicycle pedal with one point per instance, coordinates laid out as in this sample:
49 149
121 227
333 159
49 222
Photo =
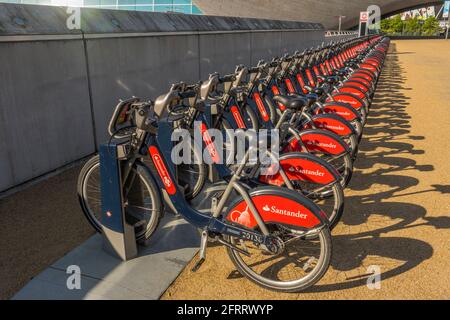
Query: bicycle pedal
202 253
198 265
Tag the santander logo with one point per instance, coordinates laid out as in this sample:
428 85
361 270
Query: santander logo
317 172
321 144
274 209
242 218
209 143
343 113
329 126
162 170
284 212
166 180
352 102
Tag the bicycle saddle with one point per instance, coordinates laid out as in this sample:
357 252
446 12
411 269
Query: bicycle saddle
316 90
341 72
311 98
350 63
293 103
328 79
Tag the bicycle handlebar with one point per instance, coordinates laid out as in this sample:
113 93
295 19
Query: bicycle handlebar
227 78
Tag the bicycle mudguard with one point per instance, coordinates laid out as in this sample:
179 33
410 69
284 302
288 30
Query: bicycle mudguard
366 70
373 61
377 54
360 73
380 55
358 84
340 108
368 66
353 90
381 50
302 167
333 123
371 74
277 206
362 80
345 97
317 140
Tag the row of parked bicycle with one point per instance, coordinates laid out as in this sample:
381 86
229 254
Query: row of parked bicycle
277 227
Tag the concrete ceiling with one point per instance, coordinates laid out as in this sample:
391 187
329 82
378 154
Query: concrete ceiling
323 11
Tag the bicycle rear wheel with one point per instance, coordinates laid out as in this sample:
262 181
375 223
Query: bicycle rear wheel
302 262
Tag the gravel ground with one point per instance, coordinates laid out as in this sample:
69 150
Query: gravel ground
397 214
37 227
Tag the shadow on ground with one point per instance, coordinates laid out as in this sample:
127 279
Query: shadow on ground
375 213
360 240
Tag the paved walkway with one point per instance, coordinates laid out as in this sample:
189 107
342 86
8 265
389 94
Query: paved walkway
398 205
104 276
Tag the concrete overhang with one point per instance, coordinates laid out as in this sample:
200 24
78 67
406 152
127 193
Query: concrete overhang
322 11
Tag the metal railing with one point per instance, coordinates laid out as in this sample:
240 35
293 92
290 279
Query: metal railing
335 33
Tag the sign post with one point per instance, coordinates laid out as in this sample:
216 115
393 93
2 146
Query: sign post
363 19
340 21
445 14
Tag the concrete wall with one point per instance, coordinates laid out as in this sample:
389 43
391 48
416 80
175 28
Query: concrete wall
44 102
58 87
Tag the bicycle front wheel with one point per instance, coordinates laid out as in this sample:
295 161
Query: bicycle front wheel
143 206
329 198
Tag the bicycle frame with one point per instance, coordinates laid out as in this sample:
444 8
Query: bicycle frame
282 176
312 140
159 150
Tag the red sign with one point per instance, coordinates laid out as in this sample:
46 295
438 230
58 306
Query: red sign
363 16
209 143
261 107
162 170
237 116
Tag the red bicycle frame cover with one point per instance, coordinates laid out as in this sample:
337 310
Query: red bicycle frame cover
275 209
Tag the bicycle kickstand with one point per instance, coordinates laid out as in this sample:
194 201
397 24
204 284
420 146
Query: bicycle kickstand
203 244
